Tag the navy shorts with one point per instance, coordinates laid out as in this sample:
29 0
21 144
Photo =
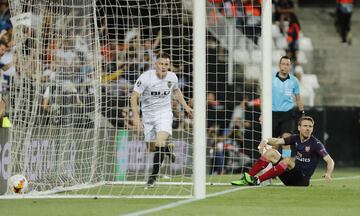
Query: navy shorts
294 177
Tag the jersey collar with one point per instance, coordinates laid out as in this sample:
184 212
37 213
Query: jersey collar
282 79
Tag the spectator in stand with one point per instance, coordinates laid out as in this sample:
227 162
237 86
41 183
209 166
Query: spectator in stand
219 156
139 57
230 8
148 51
126 118
7 70
344 9
214 108
5 23
215 143
6 60
283 8
293 37
49 104
177 115
213 13
238 121
109 58
252 11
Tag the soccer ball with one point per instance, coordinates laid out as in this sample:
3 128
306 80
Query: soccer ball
17 184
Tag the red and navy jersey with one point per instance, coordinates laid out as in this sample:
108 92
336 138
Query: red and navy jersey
307 153
293 32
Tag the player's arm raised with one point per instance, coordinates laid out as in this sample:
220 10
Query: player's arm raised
299 103
135 110
179 96
329 167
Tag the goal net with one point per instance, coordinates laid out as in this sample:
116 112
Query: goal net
77 62
233 74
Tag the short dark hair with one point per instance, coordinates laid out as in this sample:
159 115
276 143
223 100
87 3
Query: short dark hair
303 118
284 57
163 55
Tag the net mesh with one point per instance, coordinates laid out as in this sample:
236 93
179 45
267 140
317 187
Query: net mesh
76 64
233 91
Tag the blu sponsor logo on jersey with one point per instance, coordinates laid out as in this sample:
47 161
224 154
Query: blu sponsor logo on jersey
160 93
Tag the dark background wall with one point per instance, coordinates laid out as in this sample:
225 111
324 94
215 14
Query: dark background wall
339 129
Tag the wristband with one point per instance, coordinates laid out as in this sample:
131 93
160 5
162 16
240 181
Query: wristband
302 113
286 153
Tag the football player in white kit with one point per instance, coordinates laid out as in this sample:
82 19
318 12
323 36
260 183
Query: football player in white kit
155 89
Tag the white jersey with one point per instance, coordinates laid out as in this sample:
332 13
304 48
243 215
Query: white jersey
156 94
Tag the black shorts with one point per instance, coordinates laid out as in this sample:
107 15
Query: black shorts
294 177
293 46
283 122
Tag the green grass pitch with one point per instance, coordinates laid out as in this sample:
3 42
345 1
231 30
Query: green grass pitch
340 197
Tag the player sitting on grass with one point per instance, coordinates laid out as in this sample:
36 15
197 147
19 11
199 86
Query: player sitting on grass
308 151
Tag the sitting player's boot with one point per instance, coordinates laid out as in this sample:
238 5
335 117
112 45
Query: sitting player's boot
151 182
172 155
240 182
251 180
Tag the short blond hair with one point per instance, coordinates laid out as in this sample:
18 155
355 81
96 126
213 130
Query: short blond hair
303 118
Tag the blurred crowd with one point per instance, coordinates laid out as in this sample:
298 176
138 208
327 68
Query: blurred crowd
247 14
7 69
67 77
67 66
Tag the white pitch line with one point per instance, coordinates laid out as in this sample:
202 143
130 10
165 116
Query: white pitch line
338 178
160 208
182 202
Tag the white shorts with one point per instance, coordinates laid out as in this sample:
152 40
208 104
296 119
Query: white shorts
155 122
